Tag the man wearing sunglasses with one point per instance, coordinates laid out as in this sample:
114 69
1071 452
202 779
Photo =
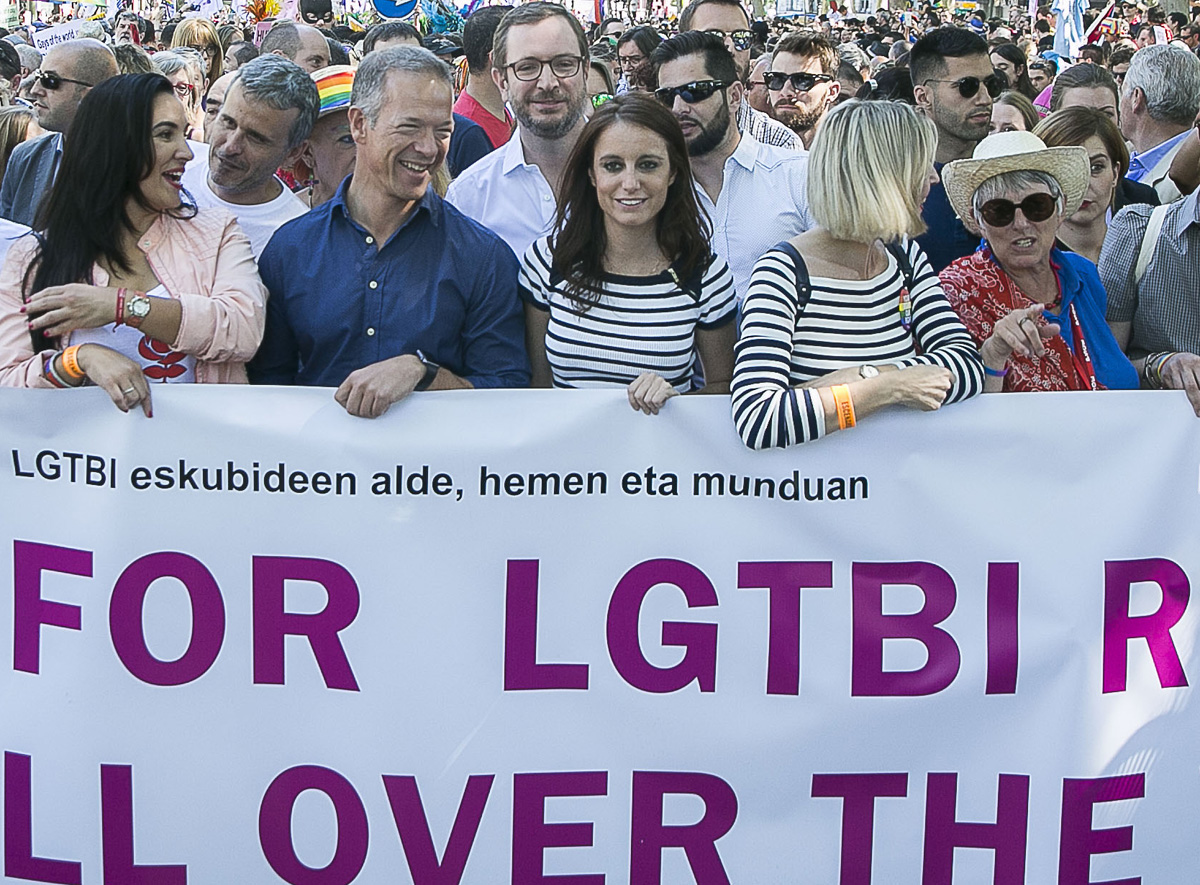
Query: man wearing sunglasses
729 20
68 71
539 63
801 82
954 85
756 194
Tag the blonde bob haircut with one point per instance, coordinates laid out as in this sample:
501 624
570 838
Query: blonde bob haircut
867 168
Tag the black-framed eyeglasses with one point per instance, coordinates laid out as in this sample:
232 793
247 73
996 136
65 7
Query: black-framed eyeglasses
800 82
741 39
1035 207
689 92
560 66
968 87
631 59
54 82
183 90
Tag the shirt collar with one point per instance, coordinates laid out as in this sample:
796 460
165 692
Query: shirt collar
431 204
746 153
514 153
1148 159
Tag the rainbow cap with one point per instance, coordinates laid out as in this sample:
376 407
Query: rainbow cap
333 86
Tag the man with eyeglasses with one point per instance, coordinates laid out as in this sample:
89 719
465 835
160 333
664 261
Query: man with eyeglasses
802 82
68 71
539 63
954 85
729 20
755 194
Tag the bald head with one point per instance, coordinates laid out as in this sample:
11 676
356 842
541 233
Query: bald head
304 45
77 65
93 61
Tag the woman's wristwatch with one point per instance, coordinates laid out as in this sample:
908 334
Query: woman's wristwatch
137 307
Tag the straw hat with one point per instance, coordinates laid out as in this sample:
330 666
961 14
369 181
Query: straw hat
333 86
1016 152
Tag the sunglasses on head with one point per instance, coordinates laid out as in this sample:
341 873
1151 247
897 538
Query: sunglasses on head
689 92
968 87
601 98
1035 207
800 82
741 40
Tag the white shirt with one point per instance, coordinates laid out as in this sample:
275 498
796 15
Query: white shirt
258 221
763 201
506 195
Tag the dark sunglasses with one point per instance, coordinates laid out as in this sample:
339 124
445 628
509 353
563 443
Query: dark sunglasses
53 82
800 82
741 40
689 92
968 87
1035 207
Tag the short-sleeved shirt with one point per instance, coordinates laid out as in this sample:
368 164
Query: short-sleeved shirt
639 324
441 284
498 131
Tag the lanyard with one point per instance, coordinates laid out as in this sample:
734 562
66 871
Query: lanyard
1081 359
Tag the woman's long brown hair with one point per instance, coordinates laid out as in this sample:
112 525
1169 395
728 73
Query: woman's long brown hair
580 241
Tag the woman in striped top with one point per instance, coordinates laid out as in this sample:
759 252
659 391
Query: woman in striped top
627 291
836 324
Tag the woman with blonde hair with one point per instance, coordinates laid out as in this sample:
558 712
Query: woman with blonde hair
201 35
17 124
849 317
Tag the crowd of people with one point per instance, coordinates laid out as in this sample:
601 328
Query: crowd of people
821 218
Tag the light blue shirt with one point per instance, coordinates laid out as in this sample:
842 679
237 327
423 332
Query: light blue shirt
1140 165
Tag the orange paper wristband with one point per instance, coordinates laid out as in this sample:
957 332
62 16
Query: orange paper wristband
844 406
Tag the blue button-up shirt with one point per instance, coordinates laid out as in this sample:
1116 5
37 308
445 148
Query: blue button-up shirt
1140 165
442 284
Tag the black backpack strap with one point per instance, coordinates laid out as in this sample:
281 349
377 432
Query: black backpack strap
901 255
803 283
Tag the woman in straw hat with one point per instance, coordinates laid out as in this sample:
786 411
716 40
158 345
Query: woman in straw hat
1037 313
849 317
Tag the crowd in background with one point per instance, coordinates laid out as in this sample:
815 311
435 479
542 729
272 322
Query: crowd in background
821 216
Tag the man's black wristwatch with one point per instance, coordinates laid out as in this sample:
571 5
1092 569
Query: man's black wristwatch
431 370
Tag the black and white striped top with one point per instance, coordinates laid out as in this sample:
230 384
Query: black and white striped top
845 323
640 324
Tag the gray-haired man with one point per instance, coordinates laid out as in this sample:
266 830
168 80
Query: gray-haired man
386 289
268 112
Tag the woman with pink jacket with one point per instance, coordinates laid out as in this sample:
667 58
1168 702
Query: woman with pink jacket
128 285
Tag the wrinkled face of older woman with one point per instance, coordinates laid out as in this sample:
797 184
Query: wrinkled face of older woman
1024 243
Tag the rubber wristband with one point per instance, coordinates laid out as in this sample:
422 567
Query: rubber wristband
120 306
993 373
51 375
844 405
70 361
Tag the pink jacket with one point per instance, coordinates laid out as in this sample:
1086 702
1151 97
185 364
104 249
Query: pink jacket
204 262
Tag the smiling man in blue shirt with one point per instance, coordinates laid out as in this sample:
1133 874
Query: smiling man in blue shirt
386 289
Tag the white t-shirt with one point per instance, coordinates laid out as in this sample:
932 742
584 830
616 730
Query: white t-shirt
259 221
159 363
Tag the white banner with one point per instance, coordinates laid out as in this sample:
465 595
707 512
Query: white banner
501 636
52 36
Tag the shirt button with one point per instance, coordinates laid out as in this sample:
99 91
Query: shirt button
146 243
373 284
370 240
371 332
546 197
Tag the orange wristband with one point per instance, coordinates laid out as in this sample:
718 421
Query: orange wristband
70 363
844 406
